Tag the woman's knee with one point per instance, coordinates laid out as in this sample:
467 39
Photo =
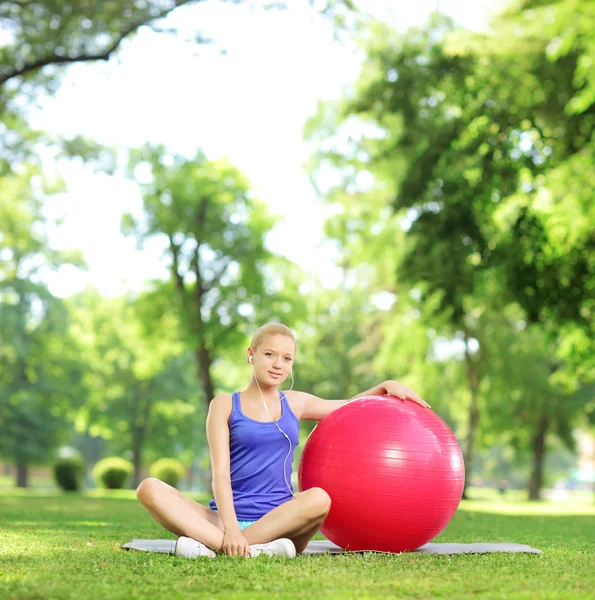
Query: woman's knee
148 489
318 502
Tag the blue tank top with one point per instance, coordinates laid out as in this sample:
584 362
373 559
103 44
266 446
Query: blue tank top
257 451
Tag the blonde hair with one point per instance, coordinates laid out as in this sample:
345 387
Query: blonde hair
270 329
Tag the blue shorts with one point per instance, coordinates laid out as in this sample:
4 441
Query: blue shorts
243 524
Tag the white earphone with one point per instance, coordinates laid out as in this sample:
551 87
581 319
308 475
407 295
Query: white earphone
276 423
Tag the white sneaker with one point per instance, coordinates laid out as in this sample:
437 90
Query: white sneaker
281 547
190 548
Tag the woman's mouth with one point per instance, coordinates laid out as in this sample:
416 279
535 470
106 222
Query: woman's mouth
275 375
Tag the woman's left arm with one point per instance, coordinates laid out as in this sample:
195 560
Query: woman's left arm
314 408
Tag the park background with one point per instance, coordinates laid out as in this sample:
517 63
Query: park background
408 187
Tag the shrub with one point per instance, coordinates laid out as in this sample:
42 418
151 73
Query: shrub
169 470
69 473
112 472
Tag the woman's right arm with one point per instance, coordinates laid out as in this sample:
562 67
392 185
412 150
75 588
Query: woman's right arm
234 541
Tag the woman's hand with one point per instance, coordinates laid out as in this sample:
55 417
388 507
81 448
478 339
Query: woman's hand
398 390
235 544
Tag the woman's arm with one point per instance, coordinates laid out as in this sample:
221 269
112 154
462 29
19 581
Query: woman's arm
218 440
314 408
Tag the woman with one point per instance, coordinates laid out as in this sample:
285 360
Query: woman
252 436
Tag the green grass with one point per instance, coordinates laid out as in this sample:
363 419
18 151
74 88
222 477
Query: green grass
34 481
56 545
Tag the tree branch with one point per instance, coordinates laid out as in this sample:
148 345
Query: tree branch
19 3
200 222
199 289
217 276
178 277
54 59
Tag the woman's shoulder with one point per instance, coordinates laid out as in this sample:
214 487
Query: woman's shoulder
296 402
221 403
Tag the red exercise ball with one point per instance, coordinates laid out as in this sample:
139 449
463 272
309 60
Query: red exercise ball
394 472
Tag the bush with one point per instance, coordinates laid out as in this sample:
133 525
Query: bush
112 472
169 470
69 473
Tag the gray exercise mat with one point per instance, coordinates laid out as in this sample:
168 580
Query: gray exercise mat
319 546
324 546
165 546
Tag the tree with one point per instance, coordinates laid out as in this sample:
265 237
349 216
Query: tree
383 147
58 32
139 392
41 39
474 138
40 370
526 405
212 231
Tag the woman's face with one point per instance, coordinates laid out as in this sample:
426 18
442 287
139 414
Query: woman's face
273 359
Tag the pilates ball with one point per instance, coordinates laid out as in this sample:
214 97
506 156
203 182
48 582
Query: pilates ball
394 472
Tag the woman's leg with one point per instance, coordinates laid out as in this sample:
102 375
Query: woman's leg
299 519
179 514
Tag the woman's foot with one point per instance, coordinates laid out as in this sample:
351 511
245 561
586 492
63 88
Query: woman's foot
281 547
190 548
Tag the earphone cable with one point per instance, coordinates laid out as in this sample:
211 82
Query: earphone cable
277 424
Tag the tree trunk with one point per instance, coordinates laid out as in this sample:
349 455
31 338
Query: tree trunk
22 475
203 359
193 312
137 460
139 432
536 481
473 416
469 453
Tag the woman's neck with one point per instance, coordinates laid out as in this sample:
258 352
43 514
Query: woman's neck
270 392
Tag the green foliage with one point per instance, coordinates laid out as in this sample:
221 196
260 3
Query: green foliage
40 366
17 142
139 380
483 145
461 130
112 473
214 231
169 470
223 279
334 355
461 171
69 473
59 32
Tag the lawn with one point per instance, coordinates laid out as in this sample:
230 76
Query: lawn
55 545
